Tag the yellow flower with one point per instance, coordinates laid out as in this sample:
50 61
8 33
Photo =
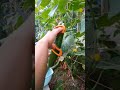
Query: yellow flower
81 10
74 50
97 57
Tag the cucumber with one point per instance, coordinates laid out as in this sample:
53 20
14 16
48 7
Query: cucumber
53 57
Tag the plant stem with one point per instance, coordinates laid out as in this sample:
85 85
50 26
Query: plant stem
97 80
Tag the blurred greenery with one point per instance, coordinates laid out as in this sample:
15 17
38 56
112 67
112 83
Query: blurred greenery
13 14
102 49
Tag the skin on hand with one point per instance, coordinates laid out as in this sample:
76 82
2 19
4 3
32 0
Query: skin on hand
51 35
41 56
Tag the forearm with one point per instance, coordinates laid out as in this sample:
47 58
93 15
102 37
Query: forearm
41 58
16 58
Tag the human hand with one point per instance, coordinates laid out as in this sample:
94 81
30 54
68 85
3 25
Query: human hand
51 35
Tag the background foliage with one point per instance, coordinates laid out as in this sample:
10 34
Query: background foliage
103 46
12 14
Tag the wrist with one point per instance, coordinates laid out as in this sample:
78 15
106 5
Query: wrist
43 42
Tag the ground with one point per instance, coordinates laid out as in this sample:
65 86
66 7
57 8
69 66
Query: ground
63 80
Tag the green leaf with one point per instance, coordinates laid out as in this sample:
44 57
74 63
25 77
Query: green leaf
36 10
82 5
76 4
53 11
45 13
44 3
62 5
55 2
79 34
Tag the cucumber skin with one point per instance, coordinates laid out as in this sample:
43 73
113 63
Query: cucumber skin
53 56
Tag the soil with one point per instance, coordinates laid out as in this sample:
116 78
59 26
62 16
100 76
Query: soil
68 81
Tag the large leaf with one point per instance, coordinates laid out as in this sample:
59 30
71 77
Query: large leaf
67 43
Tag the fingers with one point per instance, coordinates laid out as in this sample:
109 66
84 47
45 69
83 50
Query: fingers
56 30
51 35
48 33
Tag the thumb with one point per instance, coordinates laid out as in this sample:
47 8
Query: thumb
57 30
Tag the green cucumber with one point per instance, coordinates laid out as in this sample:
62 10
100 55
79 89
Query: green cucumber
53 56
